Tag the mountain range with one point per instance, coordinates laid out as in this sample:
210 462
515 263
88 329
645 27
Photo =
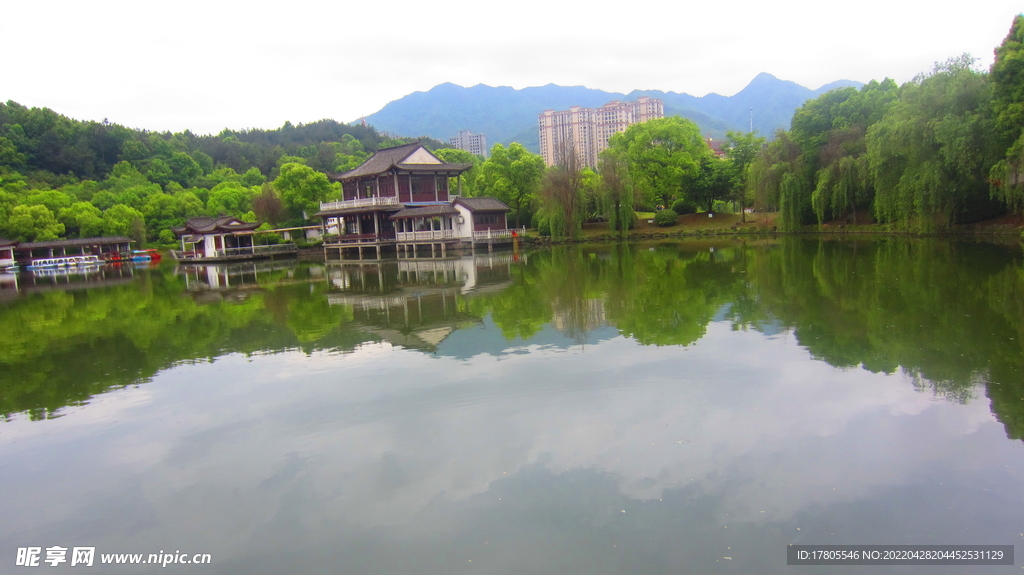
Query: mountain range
508 115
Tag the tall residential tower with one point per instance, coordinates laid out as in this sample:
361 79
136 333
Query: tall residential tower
472 143
588 129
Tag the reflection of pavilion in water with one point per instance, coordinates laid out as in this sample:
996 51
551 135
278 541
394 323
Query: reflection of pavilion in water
248 275
418 303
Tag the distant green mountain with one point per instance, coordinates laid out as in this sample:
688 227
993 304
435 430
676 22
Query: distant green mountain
507 115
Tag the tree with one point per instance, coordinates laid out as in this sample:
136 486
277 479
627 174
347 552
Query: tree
184 169
229 199
512 174
302 189
33 223
189 204
54 200
122 220
162 212
714 181
268 206
1007 79
660 153
469 178
82 220
252 178
561 194
780 157
932 151
741 149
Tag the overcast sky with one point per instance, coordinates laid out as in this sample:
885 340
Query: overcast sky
208 64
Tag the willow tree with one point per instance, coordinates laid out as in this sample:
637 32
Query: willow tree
617 191
561 193
931 153
764 177
1007 79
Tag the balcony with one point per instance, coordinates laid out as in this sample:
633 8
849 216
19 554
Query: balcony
358 203
355 239
427 235
484 235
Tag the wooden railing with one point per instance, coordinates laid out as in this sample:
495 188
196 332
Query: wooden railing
497 234
426 235
358 238
243 251
358 203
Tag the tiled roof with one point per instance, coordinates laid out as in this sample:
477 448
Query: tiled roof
209 225
75 242
483 204
424 211
388 158
7 242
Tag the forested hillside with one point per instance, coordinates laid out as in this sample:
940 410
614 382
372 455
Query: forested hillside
61 177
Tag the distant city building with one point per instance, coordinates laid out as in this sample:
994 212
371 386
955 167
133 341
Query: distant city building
472 143
588 129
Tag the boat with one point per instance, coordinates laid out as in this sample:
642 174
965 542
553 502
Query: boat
64 262
150 255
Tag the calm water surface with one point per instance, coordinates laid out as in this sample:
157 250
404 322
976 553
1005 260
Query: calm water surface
658 408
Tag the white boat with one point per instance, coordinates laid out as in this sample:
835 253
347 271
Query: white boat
64 262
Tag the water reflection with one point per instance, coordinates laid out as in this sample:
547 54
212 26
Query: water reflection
599 409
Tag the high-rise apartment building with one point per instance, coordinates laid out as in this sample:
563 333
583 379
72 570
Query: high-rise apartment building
587 130
472 143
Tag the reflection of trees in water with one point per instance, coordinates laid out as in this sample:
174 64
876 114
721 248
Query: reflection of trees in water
948 314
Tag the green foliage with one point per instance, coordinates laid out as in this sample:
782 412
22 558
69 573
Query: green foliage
82 220
562 196
122 220
469 179
741 149
1007 79
302 189
666 218
684 206
660 154
930 154
541 223
252 178
33 224
948 315
794 202
231 199
512 175
616 190
54 200
714 180
265 237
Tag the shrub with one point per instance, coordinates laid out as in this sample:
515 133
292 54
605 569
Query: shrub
541 224
684 206
720 207
666 218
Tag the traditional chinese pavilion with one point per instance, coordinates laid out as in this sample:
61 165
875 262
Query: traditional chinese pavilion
220 238
399 197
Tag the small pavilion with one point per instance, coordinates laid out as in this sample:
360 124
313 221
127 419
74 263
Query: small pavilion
216 237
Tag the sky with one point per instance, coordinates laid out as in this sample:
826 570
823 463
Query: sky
206 65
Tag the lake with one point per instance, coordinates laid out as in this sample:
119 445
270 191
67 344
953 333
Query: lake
672 407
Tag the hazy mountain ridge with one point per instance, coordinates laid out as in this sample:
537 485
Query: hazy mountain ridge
505 114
